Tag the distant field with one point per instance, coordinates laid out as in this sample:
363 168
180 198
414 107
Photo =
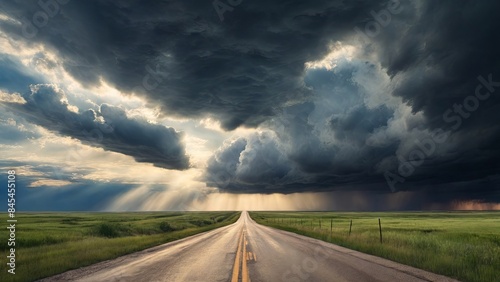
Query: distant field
462 245
51 243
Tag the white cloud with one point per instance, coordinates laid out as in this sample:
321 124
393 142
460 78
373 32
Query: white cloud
11 98
338 51
49 183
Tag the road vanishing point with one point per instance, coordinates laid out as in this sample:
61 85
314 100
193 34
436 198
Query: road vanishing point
246 251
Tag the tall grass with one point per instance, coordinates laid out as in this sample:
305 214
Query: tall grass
51 243
462 245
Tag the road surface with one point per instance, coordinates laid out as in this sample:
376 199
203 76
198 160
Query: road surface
247 251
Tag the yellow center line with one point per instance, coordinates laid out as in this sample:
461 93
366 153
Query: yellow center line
236 267
244 269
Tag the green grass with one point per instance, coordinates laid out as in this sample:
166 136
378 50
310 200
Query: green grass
51 243
462 245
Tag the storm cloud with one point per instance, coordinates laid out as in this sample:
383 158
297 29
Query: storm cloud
109 128
347 138
180 56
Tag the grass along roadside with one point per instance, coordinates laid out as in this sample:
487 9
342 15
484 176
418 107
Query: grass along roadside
462 245
51 243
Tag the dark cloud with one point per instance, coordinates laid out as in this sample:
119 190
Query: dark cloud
249 164
109 128
343 140
315 146
434 54
437 50
180 56
359 122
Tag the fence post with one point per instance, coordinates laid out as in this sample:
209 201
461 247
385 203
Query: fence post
380 229
350 227
331 228
320 223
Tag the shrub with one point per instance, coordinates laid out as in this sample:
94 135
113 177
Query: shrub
107 230
166 227
201 222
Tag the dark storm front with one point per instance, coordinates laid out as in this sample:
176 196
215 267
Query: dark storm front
454 117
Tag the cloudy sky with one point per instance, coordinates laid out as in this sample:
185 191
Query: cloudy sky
239 104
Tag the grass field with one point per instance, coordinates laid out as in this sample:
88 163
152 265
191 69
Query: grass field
51 243
462 245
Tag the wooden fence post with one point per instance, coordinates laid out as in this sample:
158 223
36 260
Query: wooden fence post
350 227
331 228
380 229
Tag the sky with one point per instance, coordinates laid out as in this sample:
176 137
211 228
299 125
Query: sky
250 105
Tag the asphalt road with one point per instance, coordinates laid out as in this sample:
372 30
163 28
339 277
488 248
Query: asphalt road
247 251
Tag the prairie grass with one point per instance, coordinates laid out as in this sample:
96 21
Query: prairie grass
462 245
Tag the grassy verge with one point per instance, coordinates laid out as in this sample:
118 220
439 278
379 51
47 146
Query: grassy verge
462 245
51 243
